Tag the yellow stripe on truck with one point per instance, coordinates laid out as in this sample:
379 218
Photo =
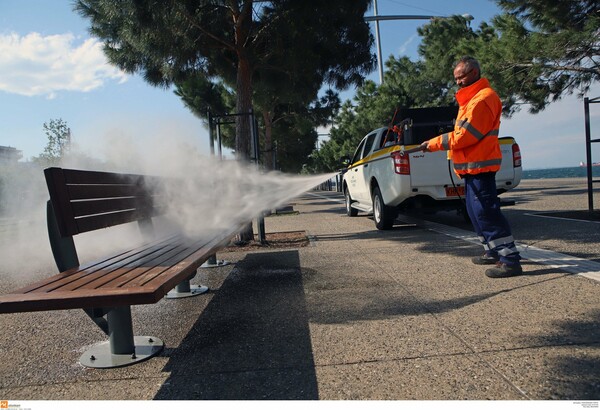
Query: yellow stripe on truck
379 153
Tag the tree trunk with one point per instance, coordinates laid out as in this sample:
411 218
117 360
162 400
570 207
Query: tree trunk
268 160
242 126
243 100
243 105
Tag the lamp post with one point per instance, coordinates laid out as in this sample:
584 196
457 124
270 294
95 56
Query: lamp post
376 18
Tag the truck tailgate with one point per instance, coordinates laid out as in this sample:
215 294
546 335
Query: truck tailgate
431 169
507 171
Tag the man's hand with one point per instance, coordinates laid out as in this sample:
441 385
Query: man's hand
425 146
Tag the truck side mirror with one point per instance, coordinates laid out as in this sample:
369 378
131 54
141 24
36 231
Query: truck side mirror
345 160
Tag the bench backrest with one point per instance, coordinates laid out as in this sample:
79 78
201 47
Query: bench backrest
84 201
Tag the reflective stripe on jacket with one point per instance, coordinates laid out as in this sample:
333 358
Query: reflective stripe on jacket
474 144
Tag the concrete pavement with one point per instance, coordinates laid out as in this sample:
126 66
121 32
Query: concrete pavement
359 314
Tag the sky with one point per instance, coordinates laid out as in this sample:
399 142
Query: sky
51 68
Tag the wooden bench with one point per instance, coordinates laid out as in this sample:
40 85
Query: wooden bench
84 201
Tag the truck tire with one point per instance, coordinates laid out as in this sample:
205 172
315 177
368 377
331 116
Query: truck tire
382 214
348 199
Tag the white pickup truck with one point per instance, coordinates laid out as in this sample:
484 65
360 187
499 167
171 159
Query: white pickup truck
382 178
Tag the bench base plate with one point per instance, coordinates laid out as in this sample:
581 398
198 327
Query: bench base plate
100 357
194 291
215 264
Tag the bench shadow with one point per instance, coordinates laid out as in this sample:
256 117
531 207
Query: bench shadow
252 342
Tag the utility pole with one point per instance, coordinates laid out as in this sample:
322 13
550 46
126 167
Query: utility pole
377 18
379 63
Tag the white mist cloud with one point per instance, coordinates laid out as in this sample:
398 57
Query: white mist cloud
204 198
204 194
34 65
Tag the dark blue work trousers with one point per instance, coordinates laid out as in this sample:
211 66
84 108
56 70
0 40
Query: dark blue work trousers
492 228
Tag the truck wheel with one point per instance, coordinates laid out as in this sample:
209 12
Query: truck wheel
349 210
382 214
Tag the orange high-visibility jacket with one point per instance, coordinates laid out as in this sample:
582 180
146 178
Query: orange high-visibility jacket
474 144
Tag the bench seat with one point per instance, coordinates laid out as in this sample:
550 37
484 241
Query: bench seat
142 275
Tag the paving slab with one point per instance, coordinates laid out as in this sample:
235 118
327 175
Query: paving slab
438 378
358 314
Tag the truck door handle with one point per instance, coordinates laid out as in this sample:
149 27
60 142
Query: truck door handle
366 165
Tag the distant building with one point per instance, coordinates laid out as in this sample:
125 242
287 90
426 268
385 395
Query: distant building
9 155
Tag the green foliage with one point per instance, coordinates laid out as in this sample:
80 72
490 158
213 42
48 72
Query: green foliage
536 52
59 143
406 84
294 138
230 55
444 41
294 131
292 123
553 15
243 44
544 50
202 95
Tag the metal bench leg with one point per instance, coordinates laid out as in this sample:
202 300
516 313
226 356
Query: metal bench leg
122 348
185 290
212 262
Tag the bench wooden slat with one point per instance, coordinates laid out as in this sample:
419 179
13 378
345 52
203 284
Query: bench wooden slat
102 206
80 177
56 281
190 264
144 290
91 223
81 277
174 262
79 192
106 275
136 272
75 176
108 205
147 288
93 298
118 276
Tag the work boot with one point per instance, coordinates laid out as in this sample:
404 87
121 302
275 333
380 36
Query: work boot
503 270
485 259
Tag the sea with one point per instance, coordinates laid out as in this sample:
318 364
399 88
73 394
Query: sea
569 172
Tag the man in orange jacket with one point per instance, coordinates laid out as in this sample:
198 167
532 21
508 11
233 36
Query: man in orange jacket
475 151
